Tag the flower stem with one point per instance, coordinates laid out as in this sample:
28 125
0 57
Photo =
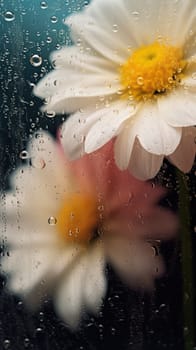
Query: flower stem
186 261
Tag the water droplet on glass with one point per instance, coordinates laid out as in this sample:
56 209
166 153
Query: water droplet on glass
38 163
24 154
50 114
39 330
100 207
20 305
78 42
48 40
6 344
115 28
26 342
52 220
36 60
54 19
113 331
194 76
70 233
77 230
43 5
43 70
9 16
155 250
135 14
140 81
170 80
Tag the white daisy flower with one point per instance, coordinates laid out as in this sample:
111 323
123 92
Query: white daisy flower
61 221
131 74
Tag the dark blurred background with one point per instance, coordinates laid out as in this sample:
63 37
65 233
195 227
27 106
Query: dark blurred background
30 30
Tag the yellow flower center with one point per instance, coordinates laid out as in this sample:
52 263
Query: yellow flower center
77 218
151 70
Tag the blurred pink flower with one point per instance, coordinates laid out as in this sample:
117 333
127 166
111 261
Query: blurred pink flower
127 203
63 221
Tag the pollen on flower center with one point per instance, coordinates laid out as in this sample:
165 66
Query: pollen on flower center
77 218
151 70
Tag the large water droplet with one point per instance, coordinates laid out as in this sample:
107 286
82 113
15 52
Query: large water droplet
53 19
36 60
9 16
24 154
43 5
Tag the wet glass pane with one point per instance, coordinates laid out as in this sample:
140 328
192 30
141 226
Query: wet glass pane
97 174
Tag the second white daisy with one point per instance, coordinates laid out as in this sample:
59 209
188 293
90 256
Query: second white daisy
61 221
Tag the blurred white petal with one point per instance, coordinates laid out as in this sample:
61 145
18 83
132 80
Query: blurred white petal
135 262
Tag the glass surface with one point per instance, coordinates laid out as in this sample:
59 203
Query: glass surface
128 318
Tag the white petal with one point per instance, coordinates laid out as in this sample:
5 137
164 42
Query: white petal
34 185
42 144
34 190
62 84
154 134
27 232
189 79
187 30
104 26
178 108
55 168
26 223
33 272
144 165
59 86
82 61
122 24
150 16
130 154
134 261
68 105
83 286
69 295
181 16
95 281
75 129
184 155
108 125
124 145
28 267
